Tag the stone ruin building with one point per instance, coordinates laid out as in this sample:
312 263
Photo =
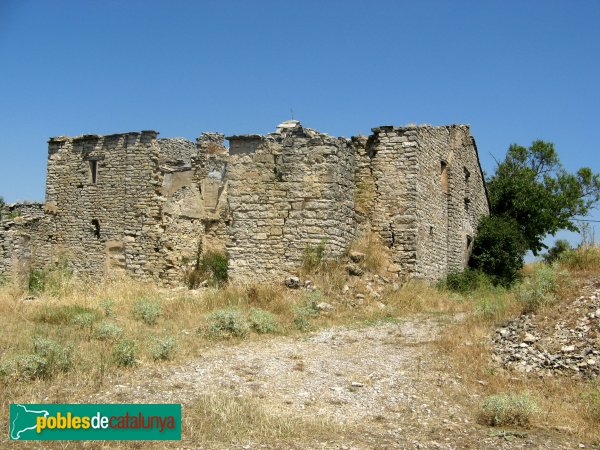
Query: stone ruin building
145 205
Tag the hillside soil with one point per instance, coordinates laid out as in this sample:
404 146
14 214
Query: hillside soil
384 386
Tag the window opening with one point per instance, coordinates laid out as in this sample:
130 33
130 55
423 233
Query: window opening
93 170
96 225
444 176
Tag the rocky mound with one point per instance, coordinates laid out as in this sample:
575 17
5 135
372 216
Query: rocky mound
568 343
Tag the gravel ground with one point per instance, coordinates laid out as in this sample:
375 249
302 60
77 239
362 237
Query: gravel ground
386 386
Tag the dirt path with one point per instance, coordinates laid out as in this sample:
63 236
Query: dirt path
385 385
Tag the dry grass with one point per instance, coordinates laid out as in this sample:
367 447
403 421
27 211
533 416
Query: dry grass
218 419
584 260
377 255
564 405
222 419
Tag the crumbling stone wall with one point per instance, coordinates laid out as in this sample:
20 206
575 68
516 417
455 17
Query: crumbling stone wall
102 193
451 199
26 235
424 194
151 206
295 190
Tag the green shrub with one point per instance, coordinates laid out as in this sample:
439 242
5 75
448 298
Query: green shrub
499 249
63 314
162 349
85 320
466 281
303 313
263 321
108 331
217 264
538 290
211 266
147 311
124 353
58 357
25 368
226 323
48 358
491 304
560 246
508 409
107 305
31 367
36 281
313 257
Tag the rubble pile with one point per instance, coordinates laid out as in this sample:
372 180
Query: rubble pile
568 345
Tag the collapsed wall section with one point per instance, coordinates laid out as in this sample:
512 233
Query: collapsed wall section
193 198
293 191
25 236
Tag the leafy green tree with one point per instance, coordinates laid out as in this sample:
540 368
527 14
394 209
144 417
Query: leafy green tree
498 249
531 196
554 252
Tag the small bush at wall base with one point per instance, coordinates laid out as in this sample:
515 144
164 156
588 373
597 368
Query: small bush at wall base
507 409
36 280
162 349
124 353
226 323
467 281
499 249
263 321
147 311
212 267
313 257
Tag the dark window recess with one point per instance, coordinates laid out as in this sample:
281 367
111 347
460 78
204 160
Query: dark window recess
96 225
469 242
444 176
467 201
93 171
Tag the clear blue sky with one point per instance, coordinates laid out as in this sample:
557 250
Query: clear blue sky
514 70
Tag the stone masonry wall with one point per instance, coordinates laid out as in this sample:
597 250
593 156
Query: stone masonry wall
295 191
109 219
149 207
451 199
428 218
394 168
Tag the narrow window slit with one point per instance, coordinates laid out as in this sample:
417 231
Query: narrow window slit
96 225
93 170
